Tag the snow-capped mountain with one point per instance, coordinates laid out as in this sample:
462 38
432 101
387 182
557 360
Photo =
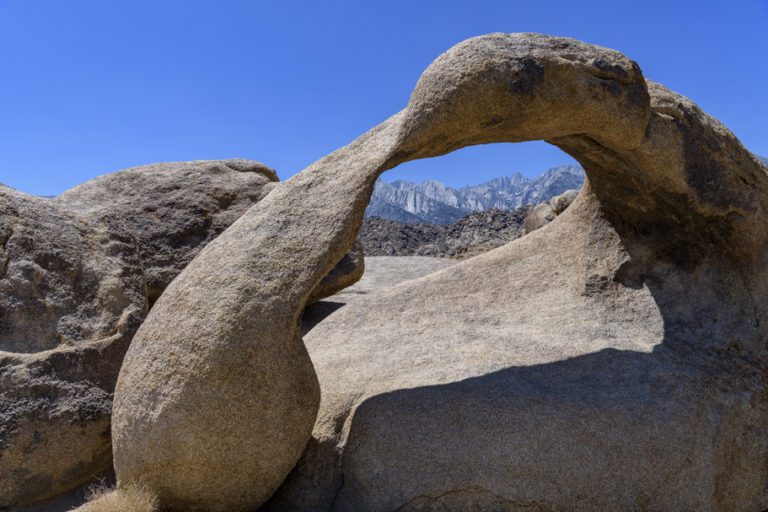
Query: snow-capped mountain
437 203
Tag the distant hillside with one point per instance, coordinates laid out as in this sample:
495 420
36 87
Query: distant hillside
437 203
472 235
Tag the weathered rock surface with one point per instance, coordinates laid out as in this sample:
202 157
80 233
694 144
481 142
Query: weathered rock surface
612 360
544 213
173 209
347 272
75 275
381 273
560 202
474 234
385 272
71 297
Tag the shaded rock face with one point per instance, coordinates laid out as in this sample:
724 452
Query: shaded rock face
472 235
72 294
77 273
347 272
612 360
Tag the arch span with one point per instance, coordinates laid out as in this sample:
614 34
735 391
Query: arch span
217 395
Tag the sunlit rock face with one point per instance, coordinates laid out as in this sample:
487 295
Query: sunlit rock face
77 275
612 360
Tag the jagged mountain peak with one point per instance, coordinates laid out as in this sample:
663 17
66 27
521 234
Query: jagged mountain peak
400 184
434 201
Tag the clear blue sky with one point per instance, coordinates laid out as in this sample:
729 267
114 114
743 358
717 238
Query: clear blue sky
93 86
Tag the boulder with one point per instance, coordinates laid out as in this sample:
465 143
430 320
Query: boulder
561 202
541 215
71 297
544 213
76 274
347 272
172 209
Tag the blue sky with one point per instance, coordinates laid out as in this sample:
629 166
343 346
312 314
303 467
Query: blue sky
94 86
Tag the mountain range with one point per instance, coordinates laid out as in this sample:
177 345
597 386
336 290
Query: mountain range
437 203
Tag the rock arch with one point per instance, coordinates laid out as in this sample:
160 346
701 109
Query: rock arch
217 396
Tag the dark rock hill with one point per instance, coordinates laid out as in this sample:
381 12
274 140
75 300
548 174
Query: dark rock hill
471 235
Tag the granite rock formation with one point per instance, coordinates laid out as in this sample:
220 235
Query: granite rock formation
72 294
347 272
172 209
612 360
77 274
544 213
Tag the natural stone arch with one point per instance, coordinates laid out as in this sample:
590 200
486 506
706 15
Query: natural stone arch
217 395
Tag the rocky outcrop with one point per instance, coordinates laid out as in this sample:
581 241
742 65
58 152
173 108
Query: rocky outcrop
172 209
544 213
474 234
614 360
77 274
72 294
383 237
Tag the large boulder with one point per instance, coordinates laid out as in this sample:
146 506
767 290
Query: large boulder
560 202
71 297
615 360
544 213
77 273
173 209
541 215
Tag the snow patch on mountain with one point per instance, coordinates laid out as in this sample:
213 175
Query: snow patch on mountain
437 203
